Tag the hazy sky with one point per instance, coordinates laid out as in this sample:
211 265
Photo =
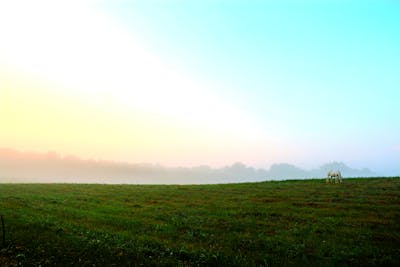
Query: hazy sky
185 83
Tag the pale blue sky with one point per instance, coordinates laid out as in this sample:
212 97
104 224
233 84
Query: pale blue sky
187 83
324 76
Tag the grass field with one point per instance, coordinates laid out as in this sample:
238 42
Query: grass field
287 223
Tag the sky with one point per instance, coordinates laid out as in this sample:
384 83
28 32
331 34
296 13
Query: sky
187 83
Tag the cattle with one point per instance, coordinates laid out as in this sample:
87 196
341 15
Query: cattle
334 176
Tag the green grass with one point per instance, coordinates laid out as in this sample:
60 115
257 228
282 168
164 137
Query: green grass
288 223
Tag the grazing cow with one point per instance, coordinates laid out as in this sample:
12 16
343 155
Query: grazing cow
334 176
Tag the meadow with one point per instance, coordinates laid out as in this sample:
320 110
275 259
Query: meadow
277 223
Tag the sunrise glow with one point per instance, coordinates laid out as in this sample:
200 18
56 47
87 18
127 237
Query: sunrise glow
144 82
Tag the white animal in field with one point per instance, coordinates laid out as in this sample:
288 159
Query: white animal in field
334 176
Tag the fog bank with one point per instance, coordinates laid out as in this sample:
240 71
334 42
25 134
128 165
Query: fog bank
16 166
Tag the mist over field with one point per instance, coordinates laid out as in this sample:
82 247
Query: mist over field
199 133
50 167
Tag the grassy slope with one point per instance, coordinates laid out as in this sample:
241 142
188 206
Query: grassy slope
254 224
